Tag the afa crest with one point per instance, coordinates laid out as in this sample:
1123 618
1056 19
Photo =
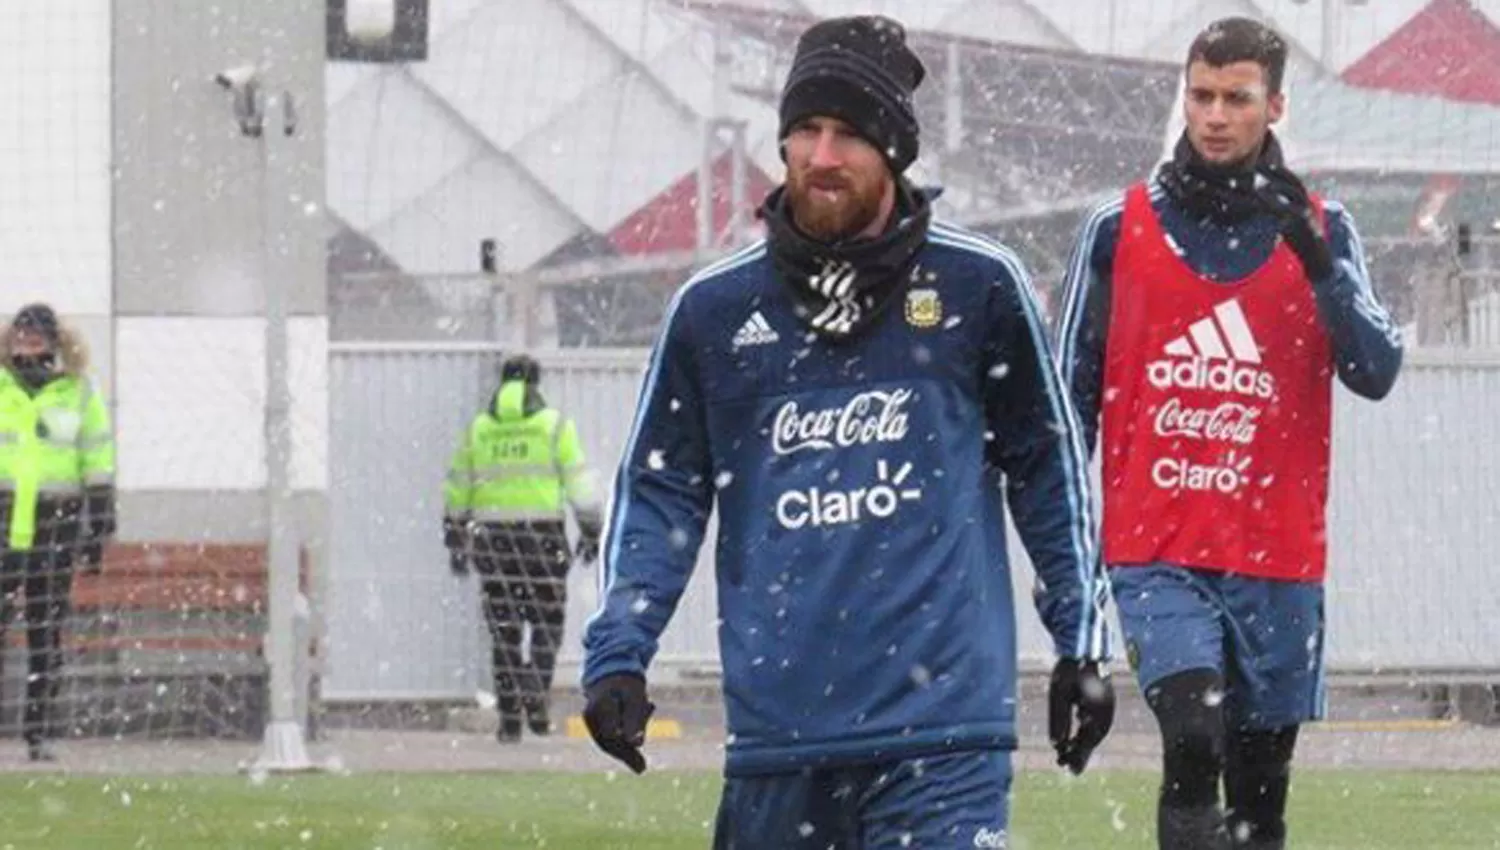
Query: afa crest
923 308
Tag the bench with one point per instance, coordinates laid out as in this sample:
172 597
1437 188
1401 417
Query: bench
173 598
166 631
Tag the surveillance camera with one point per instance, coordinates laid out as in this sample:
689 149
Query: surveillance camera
243 83
1495 226
237 78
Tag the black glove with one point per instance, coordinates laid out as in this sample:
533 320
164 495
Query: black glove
91 556
1078 685
589 530
456 539
1284 196
458 562
455 533
99 510
616 715
587 550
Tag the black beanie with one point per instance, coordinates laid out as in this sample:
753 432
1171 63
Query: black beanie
39 319
521 368
860 71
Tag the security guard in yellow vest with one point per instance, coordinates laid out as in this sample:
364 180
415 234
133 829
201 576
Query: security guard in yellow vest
513 474
57 463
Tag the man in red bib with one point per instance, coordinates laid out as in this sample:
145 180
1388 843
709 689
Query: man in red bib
1207 311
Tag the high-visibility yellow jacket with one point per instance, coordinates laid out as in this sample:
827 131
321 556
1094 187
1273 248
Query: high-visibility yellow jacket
521 461
55 449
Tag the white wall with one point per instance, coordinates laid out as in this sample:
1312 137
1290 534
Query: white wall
189 411
55 155
55 165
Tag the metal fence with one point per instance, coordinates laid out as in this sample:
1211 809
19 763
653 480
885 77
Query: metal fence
1443 288
1452 283
1414 521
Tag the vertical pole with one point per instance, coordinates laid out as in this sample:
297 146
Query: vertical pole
1330 15
489 268
703 202
1484 298
710 130
1486 292
1110 44
737 186
282 538
285 742
527 304
1470 275
953 102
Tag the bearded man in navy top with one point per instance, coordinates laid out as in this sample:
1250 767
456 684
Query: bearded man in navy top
860 394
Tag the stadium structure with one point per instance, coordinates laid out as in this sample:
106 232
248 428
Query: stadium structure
607 145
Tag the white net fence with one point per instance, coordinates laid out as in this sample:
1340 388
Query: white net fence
540 176
1029 114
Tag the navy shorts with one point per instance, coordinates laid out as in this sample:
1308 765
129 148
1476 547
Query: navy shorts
1264 637
942 802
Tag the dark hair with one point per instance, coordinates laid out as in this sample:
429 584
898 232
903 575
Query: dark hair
1230 40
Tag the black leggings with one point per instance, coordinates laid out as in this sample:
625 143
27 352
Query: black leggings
523 570
45 578
1198 752
1257 776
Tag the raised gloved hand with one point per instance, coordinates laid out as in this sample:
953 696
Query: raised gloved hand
1079 690
1284 196
616 716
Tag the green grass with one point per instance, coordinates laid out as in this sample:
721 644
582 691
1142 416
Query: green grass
663 811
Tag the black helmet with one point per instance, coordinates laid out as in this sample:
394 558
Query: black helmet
521 368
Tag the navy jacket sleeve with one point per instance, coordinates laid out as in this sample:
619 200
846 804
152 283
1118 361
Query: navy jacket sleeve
663 494
1367 347
1084 325
1035 441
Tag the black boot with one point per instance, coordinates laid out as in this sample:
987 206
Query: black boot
512 710
509 730
1191 828
40 751
538 719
